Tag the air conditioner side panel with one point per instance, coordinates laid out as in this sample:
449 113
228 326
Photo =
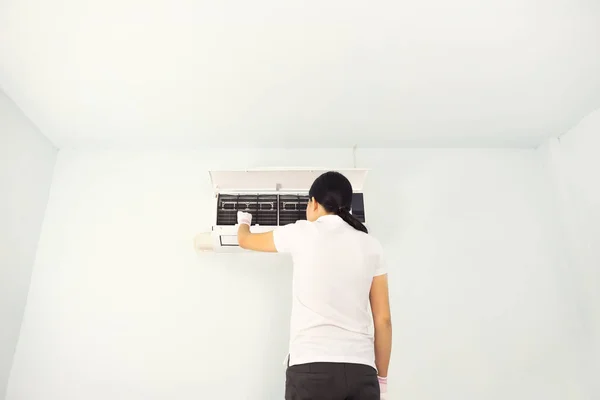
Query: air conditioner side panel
224 238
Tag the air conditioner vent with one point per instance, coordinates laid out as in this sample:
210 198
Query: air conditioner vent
274 196
266 210
358 207
292 209
263 208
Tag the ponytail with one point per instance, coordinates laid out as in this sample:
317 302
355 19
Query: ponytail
351 220
333 191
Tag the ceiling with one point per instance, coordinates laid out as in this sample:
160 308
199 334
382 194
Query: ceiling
272 73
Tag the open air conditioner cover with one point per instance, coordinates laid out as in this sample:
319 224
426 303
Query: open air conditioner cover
280 179
274 197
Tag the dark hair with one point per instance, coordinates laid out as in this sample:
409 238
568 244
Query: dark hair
333 191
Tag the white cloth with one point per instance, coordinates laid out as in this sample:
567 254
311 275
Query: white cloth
334 266
244 218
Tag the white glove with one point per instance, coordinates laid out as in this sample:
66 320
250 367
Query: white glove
382 387
244 218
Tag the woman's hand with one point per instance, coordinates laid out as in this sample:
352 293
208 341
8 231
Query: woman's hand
253 241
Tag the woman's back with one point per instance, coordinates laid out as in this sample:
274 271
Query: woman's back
338 271
334 266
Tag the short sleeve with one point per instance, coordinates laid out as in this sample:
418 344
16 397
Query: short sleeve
287 237
380 268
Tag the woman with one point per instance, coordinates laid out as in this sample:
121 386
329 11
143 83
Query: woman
338 271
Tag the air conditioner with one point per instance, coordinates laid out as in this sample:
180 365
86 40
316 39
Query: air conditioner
274 197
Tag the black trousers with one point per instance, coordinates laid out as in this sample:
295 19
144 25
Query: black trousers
331 381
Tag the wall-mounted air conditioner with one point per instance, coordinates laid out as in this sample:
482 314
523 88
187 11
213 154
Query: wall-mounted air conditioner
274 197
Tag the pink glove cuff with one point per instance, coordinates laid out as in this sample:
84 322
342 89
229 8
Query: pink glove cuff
382 384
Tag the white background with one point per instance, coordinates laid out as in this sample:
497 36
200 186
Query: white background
121 307
272 73
573 164
26 162
494 254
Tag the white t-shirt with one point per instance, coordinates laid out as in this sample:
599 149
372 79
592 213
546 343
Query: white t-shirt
334 266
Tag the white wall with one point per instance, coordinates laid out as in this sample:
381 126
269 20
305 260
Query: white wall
26 162
122 308
573 163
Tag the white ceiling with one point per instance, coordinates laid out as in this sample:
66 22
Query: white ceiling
301 73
